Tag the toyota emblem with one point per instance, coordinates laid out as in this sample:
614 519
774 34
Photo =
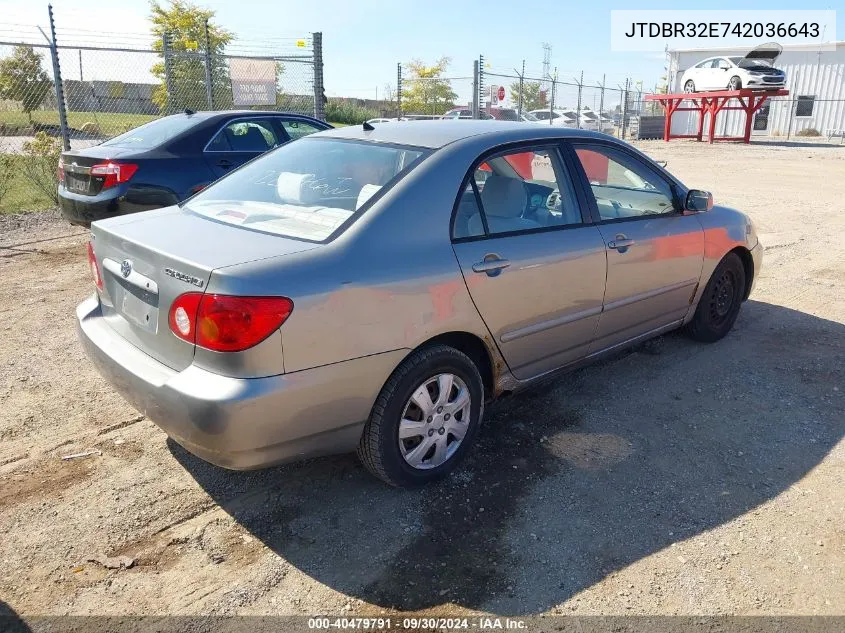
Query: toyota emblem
126 268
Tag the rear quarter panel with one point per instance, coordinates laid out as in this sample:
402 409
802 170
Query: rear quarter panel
390 282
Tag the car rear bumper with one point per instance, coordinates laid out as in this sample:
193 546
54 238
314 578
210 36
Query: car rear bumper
82 210
241 423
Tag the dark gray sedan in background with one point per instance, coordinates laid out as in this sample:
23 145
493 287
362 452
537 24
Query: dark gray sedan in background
372 289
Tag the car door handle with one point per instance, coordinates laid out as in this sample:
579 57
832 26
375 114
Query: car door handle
492 265
224 162
620 242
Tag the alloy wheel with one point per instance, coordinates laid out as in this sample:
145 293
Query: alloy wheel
434 421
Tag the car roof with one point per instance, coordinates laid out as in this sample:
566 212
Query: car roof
208 115
437 134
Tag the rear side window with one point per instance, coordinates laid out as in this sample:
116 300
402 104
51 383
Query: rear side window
154 133
245 135
306 190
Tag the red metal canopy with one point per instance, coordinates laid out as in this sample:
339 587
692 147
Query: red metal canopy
712 103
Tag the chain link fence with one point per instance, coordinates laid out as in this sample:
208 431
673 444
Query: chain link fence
105 91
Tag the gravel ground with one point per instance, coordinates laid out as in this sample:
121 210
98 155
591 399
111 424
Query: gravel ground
678 478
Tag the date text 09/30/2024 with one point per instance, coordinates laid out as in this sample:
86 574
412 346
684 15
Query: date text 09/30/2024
416 624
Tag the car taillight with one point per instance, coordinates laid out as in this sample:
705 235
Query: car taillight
95 268
225 323
114 173
60 170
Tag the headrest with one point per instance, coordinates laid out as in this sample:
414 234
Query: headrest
295 188
503 197
367 192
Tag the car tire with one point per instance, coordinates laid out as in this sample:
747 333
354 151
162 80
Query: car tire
390 458
735 83
689 86
720 302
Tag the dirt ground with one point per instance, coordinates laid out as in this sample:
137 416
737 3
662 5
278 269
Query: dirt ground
679 478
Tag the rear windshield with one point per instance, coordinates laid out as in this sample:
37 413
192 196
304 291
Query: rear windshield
308 188
154 133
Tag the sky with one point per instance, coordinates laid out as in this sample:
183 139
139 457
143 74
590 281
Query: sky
365 39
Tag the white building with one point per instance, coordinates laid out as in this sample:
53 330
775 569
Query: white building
815 80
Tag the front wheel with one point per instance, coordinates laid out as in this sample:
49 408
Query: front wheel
720 302
735 83
425 419
689 86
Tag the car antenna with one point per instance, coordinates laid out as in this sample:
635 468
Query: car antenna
189 111
368 127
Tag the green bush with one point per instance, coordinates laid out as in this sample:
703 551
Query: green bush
39 164
809 131
348 112
7 174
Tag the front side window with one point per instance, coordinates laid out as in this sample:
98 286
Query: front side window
245 135
623 187
522 190
306 190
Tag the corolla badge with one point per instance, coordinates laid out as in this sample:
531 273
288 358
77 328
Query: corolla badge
126 268
196 281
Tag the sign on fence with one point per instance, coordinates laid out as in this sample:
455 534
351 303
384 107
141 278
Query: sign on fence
253 81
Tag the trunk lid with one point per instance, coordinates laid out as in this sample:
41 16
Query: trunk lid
765 54
77 167
147 260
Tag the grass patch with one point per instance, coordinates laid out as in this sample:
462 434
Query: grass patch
22 196
108 123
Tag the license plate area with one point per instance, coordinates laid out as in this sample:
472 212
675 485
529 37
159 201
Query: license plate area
76 185
138 306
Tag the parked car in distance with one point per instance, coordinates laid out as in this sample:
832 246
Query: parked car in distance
168 160
372 121
755 71
372 289
465 113
499 114
558 118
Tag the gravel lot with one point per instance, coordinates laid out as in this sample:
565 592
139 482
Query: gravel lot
675 479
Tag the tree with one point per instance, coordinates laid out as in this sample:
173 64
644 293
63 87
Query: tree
532 97
22 79
427 92
184 24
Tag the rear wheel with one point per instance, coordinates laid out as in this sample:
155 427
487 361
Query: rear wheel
425 419
735 83
689 86
720 302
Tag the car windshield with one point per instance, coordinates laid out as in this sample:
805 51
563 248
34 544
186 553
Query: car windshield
154 133
308 188
529 117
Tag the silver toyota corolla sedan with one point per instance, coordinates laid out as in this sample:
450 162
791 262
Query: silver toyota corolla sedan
372 289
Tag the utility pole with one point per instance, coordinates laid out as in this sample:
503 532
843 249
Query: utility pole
399 90
57 80
601 102
208 92
521 85
625 108
578 108
476 90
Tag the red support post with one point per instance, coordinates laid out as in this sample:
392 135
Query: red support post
712 103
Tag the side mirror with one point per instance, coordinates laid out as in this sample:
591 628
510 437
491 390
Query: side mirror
698 201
